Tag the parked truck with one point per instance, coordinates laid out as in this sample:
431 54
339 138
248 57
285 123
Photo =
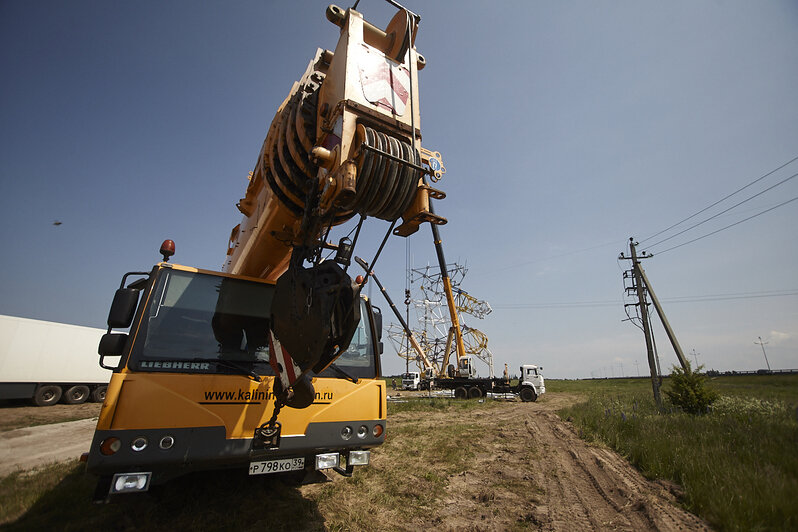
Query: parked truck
467 385
411 380
48 362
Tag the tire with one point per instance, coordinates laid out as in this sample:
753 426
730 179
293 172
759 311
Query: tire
75 395
528 395
474 393
47 395
98 394
460 393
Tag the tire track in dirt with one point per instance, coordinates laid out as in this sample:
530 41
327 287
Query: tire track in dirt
533 471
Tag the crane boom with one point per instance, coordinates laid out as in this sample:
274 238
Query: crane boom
411 338
345 142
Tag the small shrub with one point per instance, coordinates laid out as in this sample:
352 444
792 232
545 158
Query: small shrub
690 390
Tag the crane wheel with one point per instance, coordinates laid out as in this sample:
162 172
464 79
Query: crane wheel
474 393
460 393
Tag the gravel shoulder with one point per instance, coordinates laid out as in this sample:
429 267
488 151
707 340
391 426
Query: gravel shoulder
32 447
17 414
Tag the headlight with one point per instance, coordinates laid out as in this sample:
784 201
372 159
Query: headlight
129 482
139 444
359 458
327 460
166 442
362 431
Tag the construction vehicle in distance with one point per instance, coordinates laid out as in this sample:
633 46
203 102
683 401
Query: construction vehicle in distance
273 364
467 385
411 380
529 387
463 379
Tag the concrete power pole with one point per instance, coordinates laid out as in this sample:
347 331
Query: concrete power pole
643 305
761 344
695 356
668 330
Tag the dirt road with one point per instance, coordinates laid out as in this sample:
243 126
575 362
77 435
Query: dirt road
534 471
31 447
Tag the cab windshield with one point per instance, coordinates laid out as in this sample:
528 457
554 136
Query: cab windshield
208 323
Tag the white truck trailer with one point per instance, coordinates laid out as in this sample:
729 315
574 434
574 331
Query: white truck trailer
46 362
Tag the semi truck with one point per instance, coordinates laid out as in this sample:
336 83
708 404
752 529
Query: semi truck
529 387
47 362
272 365
467 385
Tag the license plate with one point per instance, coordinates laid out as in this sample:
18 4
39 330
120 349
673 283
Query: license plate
276 466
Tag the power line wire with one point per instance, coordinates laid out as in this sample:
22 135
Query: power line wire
721 200
673 300
728 226
723 211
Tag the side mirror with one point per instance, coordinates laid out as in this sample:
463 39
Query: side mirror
377 313
380 347
123 308
112 344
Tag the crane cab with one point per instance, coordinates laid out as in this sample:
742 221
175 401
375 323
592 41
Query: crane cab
193 383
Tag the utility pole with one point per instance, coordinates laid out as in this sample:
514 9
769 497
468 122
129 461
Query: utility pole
637 367
671 336
695 356
643 306
761 344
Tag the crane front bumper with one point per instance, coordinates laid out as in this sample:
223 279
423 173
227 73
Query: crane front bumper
153 456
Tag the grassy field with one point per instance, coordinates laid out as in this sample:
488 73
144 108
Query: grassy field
737 464
392 490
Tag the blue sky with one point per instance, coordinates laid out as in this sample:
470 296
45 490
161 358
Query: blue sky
565 127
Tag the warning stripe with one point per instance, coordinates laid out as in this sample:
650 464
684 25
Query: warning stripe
281 362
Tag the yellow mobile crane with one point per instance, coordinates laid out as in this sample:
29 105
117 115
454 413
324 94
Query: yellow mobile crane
273 364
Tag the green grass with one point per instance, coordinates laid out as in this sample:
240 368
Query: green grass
737 464
779 387
437 404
